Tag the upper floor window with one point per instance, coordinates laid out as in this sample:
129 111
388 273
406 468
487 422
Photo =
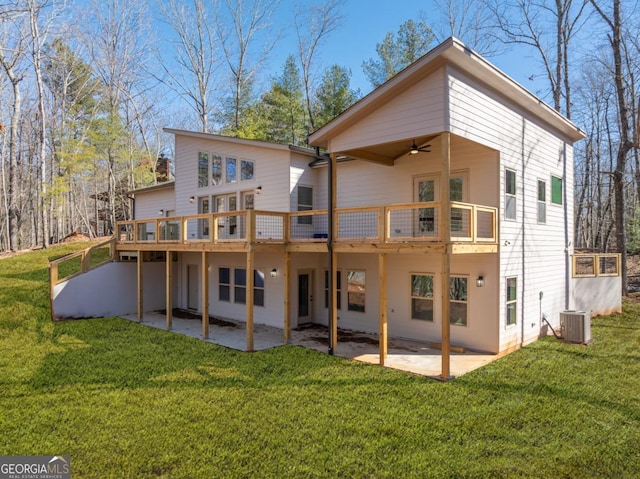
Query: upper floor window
305 203
556 190
542 201
213 171
509 194
203 170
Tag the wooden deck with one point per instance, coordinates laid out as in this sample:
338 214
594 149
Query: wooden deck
405 228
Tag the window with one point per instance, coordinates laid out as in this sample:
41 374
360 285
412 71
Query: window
338 288
216 170
224 284
556 190
203 170
542 201
230 170
240 286
305 203
246 170
356 289
509 194
258 287
512 300
422 297
458 300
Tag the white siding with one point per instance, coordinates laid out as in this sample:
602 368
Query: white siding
271 173
149 203
417 111
369 184
536 254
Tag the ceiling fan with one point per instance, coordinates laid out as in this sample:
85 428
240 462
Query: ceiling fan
415 149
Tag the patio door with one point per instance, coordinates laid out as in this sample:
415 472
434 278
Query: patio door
203 225
305 296
227 226
425 189
193 285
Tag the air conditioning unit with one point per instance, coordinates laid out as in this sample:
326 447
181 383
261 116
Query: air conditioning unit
576 326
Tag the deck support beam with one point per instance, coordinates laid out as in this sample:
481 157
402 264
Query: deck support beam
205 295
333 257
249 299
168 281
382 307
287 297
140 289
445 222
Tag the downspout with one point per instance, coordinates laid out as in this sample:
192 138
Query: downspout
330 236
522 308
567 242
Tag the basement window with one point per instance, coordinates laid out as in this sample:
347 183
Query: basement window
422 297
512 301
458 300
356 290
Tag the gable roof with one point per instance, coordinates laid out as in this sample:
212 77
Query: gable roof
450 52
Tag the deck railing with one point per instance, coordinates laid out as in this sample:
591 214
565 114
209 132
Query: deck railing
412 222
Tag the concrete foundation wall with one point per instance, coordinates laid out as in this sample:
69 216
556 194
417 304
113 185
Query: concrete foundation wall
110 290
600 296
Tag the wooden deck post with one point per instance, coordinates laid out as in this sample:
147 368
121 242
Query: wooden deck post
445 221
140 288
168 280
287 308
382 306
333 257
205 295
249 298
334 300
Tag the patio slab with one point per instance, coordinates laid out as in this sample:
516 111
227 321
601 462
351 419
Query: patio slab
405 355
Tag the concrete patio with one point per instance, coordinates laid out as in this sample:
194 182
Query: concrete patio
411 356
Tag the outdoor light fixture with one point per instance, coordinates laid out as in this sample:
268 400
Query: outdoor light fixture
274 273
480 281
161 212
192 199
259 190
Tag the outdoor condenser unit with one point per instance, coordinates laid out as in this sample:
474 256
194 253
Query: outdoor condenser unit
576 326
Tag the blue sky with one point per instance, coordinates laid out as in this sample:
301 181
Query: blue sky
365 24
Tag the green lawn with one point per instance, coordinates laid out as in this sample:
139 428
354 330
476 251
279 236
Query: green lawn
125 400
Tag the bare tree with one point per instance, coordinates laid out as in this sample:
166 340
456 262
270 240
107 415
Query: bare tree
313 24
529 21
613 20
38 38
469 21
12 51
238 26
196 56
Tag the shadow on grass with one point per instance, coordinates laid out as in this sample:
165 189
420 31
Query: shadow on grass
117 353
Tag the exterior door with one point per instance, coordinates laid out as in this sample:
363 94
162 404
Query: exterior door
193 285
203 225
227 226
305 296
426 189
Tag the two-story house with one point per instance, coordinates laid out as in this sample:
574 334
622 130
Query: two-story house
438 208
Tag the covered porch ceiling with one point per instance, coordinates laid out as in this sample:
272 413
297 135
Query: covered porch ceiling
387 153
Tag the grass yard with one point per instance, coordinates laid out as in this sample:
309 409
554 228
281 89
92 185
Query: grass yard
125 400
